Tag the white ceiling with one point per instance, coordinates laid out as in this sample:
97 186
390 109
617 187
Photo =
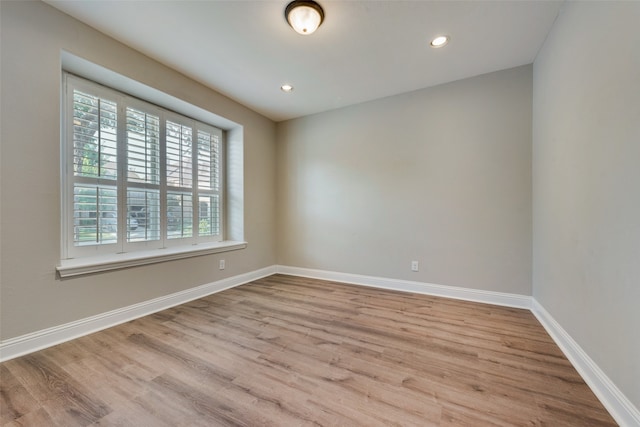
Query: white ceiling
364 50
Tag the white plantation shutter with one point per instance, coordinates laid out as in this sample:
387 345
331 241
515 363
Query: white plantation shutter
94 215
179 155
143 175
95 125
143 146
179 169
206 160
136 176
209 172
179 215
209 215
95 169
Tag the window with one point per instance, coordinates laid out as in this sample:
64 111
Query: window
136 176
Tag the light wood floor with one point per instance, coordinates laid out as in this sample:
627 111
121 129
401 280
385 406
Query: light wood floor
287 351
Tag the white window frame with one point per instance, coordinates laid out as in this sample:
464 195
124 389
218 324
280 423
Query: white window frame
108 253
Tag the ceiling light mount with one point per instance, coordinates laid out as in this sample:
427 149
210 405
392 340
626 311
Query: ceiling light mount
304 16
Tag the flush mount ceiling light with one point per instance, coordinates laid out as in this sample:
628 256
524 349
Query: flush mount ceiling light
439 41
286 88
304 16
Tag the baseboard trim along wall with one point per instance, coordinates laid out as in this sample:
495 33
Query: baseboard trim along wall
49 337
621 408
467 294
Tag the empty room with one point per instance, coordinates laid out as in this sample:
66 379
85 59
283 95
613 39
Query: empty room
329 213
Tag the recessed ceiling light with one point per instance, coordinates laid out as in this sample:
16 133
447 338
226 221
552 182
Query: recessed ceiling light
440 41
286 88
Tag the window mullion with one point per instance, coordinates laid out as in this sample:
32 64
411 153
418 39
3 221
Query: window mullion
163 179
122 173
195 204
221 185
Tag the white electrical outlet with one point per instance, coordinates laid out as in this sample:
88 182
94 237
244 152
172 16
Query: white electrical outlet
222 264
415 265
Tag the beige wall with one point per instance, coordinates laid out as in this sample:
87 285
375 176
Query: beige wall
586 180
441 175
33 35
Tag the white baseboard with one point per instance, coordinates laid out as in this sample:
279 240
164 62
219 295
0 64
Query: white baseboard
39 340
620 408
467 294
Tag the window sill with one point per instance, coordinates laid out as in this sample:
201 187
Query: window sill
97 264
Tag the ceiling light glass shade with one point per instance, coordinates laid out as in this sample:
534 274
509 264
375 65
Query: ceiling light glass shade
440 41
304 16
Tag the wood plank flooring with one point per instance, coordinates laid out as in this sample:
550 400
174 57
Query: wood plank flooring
289 351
